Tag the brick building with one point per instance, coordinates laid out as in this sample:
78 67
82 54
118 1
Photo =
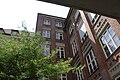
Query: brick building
90 39
51 27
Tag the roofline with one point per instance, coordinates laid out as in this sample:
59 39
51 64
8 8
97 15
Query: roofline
51 15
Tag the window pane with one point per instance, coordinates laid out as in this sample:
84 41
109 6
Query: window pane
111 31
103 41
88 59
107 51
58 54
94 65
112 46
107 36
91 55
117 40
91 70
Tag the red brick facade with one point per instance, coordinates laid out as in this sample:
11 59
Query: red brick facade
86 49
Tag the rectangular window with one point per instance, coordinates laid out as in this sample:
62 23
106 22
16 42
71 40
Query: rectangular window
59 35
46 33
79 75
61 52
79 72
91 61
82 30
63 77
58 24
74 47
47 22
46 49
109 41
70 29
93 17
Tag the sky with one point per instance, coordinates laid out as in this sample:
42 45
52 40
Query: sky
14 12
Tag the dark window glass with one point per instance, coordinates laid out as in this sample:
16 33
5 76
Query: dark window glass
107 51
91 55
88 59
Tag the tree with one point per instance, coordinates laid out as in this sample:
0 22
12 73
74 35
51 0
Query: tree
21 58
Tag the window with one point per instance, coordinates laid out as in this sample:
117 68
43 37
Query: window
61 52
79 71
59 35
58 24
70 29
74 46
109 41
63 77
46 33
46 49
93 17
47 22
91 61
82 30
79 75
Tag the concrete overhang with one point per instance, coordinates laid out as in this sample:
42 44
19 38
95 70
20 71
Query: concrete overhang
110 8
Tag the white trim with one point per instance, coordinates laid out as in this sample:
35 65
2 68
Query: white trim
117 77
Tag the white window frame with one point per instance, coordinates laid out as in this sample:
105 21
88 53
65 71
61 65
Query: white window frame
74 47
110 40
46 49
117 77
79 75
59 35
93 16
61 77
91 60
79 72
58 24
60 52
47 22
46 33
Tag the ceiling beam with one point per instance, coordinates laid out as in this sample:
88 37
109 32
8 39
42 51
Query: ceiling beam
110 8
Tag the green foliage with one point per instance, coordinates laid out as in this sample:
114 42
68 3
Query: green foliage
21 58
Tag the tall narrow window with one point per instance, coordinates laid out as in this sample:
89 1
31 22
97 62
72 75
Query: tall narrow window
82 30
59 35
46 33
46 49
91 61
74 46
70 29
61 52
79 75
79 72
109 41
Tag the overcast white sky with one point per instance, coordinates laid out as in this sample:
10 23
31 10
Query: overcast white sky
13 12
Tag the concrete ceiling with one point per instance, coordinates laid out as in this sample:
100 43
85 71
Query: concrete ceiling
110 8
